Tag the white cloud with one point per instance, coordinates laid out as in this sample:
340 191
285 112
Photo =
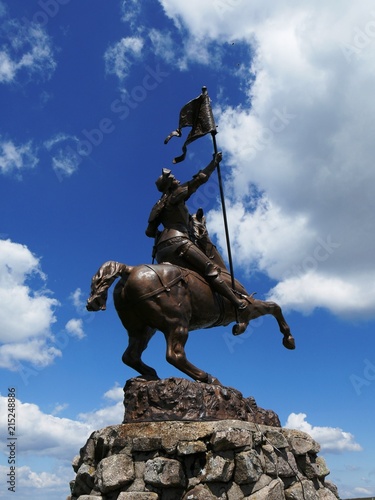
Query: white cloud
251 232
75 327
59 408
26 52
7 68
163 44
48 435
37 352
65 162
15 158
65 158
42 485
116 393
192 49
57 140
120 56
26 315
130 10
30 479
362 491
78 302
109 415
303 136
312 289
331 439
42 435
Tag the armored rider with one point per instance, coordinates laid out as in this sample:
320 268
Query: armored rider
174 243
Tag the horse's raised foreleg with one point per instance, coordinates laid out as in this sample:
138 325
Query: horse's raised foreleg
288 339
138 341
262 308
176 339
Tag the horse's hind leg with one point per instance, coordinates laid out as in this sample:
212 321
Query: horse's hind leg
176 339
138 341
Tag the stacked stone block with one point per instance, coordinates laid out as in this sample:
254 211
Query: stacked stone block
228 459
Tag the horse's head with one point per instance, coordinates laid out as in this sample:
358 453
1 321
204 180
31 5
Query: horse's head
97 302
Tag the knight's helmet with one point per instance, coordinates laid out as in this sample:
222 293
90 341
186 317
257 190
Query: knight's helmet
164 181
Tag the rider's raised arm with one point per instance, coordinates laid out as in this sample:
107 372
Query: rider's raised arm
203 175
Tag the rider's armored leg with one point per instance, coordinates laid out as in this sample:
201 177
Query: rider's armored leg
193 255
213 277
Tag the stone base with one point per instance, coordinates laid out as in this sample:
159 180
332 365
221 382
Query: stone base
186 400
229 459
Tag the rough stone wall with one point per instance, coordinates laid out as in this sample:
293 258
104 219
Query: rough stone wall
229 460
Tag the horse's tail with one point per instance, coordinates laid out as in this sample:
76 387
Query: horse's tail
102 280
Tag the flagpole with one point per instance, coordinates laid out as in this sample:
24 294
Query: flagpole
213 135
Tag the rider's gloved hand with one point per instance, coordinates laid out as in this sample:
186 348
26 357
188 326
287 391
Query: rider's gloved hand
218 157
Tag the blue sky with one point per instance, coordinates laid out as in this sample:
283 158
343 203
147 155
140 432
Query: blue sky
88 92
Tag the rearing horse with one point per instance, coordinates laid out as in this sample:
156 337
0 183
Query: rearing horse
174 301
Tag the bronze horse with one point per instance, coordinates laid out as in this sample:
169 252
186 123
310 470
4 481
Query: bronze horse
173 300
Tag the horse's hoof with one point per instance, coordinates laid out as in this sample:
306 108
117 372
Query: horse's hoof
239 328
148 378
213 380
289 342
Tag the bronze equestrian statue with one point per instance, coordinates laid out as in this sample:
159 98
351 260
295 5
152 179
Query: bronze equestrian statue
190 291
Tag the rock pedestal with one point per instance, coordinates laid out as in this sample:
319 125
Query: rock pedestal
181 399
229 459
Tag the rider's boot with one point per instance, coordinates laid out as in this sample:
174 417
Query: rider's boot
223 289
